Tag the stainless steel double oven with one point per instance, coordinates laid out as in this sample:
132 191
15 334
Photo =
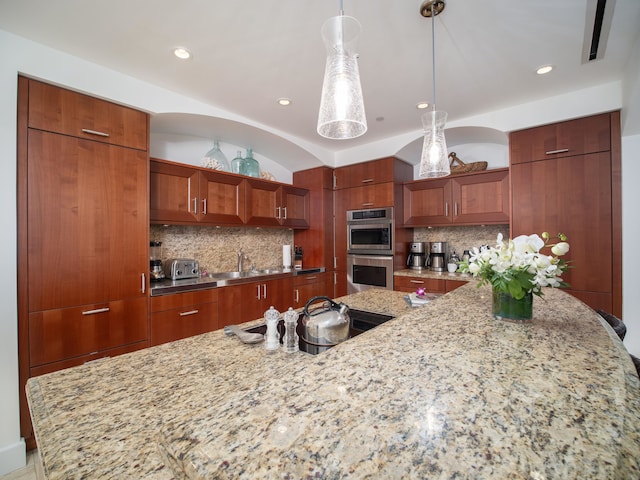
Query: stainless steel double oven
370 249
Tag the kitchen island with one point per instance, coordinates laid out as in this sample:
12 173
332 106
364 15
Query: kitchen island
442 391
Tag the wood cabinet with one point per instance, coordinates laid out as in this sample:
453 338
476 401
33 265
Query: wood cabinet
472 199
564 139
181 194
311 285
273 204
83 231
245 302
410 284
578 195
183 315
372 172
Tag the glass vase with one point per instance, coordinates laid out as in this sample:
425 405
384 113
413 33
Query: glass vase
505 307
215 159
236 162
250 165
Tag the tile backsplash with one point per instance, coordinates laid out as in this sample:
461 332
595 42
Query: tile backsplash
461 238
216 248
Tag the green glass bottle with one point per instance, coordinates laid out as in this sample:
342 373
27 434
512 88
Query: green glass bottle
215 159
236 162
250 165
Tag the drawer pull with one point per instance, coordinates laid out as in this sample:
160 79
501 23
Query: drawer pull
369 204
284 209
204 206
297 296
417 281
278 212
97 310
95 132
195 205
312 277
551 152
446 209
190 312
367 180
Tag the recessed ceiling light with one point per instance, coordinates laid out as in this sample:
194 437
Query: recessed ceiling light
422 105
285 102
182 53
544 69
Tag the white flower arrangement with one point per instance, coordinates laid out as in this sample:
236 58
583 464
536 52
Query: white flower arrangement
517 266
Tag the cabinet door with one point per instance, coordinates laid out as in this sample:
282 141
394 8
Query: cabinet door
187 321
309 286
294 209
68 239
222 199
365 173
58 110
371 196
571 195
573 137
173 193
427 203
481 199
262 202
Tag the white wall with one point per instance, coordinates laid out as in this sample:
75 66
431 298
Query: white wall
19 55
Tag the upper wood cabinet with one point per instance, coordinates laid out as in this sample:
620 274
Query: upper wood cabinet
564 139
473 199
383 170
58 110
369 196
274 204
182 194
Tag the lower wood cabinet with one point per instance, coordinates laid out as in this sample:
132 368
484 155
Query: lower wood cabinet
407 284
311 285
182 315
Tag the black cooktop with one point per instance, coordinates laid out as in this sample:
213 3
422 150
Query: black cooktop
361 321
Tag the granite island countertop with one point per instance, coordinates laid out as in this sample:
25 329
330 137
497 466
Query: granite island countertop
442 391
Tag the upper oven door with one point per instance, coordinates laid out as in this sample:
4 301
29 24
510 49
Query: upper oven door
370 238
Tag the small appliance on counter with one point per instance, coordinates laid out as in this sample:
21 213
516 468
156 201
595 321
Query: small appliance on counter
181 268
297 258
417 258
155 261
438 256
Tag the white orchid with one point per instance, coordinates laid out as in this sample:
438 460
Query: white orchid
517 266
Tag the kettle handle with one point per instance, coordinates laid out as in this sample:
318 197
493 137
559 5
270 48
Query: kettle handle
313 299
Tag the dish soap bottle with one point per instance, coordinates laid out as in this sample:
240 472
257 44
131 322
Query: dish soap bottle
250 165
215 159
272 337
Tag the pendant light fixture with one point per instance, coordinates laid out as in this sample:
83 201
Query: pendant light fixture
434 161
341 113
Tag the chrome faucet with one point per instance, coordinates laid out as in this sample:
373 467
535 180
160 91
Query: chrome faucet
241 258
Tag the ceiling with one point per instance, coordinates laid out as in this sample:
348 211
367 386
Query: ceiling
249 53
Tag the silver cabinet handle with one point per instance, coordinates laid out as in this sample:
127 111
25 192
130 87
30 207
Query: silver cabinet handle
455 209
368 204
95 132
189 195
367 180
561 150
204 206
297 296
446 209
258 297
313 277
195 205
277 212
97 310
144 283
190 312
284 209
264 291
417 281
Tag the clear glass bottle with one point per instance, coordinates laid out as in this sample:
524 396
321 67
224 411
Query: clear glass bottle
250 165
215 159
290 342
236 162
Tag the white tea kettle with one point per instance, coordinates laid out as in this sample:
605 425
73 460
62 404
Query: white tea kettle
326 325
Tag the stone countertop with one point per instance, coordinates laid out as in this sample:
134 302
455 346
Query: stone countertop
442 391
426 273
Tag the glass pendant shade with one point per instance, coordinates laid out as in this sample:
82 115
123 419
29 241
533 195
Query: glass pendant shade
435 160
341 113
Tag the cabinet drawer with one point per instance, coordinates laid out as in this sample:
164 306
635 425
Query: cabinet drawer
564 139
178 300
171 325
365 173
61 334
411 284
371 196
300 280
59 110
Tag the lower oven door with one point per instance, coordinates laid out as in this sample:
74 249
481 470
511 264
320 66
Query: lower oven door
369 271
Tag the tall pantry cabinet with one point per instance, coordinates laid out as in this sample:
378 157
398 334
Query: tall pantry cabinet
566 177
82 231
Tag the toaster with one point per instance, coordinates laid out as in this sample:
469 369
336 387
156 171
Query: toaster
181 268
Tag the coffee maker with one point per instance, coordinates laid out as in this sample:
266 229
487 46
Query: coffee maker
438 256
417 258
155 261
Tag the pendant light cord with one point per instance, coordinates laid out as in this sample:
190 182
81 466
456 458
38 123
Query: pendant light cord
341 9
433 52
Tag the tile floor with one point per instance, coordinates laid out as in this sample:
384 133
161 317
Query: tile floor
28 472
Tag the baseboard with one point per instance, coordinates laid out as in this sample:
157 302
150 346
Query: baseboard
13 457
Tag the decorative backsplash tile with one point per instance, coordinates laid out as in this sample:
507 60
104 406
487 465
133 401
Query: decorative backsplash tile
216 248
461 238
